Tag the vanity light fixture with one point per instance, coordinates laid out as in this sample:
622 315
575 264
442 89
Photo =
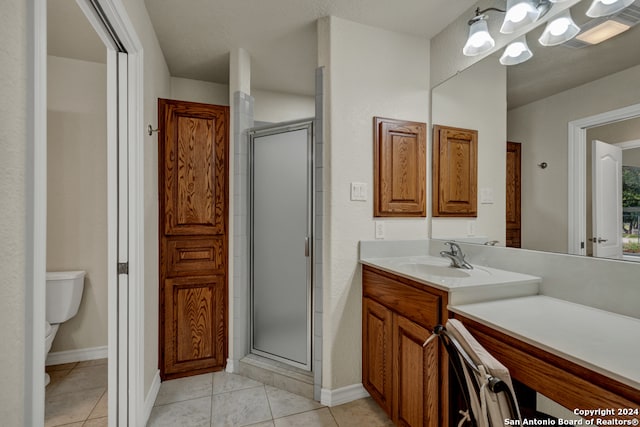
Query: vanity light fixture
522 12
559 30
479 40
516 52
607 7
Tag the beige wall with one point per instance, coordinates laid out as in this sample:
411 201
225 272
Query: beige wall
544 191
358 86
199 91
276 107
477 99
77 192
269 106
13 227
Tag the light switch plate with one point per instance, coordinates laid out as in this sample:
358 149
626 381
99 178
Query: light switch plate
486 196
359 191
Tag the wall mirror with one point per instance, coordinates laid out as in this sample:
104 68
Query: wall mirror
555 105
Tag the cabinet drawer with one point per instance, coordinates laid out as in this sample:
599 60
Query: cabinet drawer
199 255
417 305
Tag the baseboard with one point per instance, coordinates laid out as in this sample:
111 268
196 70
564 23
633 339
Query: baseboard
80 355
342 395
232 366
150 400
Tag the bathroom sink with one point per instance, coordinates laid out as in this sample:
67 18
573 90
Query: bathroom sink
434 270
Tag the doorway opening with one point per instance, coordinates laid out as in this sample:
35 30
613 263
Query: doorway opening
124 162
579 203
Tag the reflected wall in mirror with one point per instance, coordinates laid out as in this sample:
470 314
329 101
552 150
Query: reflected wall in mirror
558 86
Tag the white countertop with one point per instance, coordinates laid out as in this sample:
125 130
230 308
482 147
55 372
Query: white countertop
602 341
440 275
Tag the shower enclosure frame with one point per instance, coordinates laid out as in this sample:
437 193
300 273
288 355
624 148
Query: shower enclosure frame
270 130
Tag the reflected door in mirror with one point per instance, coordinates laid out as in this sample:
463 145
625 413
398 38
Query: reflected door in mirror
513 194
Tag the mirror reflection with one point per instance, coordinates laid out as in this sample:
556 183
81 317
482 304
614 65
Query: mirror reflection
592 87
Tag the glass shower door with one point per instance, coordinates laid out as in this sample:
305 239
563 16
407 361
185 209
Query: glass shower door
281 224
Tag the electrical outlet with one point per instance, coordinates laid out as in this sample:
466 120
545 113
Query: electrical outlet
471 228
379 229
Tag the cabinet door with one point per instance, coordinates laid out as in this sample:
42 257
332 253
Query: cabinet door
455 170
376 352
415 383
400 164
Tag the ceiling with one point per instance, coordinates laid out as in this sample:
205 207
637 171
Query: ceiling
280 35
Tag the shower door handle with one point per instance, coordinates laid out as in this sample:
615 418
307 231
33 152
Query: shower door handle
306 246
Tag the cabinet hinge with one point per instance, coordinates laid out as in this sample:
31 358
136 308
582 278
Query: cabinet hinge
123 268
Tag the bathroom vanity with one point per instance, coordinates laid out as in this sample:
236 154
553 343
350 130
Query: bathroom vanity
581 357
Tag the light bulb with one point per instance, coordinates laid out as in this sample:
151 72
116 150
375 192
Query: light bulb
518 12
515 49
559 26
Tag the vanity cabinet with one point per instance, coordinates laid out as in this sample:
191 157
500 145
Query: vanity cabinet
407 380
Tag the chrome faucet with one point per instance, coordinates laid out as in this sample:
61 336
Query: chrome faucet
456 256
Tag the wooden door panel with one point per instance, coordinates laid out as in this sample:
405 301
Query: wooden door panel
193 194
416 380
400 168
513 194
455 169
192 306
194 168
201 255
376 364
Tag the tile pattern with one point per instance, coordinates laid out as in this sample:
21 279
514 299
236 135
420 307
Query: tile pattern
236 401
77 395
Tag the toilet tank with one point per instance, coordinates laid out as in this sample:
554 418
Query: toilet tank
64 292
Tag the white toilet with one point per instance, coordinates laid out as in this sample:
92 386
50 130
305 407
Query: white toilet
64 293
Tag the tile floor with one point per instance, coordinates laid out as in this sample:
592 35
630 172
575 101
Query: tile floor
228 400
76 397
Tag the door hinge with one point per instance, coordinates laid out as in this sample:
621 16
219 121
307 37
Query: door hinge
123 268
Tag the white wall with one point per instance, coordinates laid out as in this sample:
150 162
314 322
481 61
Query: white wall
542 128
14 78
77 192
369 72
477 99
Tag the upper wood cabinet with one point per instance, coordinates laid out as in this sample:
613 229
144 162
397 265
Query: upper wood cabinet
400 149
455 170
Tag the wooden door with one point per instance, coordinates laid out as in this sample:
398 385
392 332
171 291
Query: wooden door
193 190
455 172
376 352
513 233
415 384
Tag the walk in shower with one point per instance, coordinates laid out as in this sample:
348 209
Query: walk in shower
281 249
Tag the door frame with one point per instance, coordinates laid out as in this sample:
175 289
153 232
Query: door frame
268 130
577 172
132 391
